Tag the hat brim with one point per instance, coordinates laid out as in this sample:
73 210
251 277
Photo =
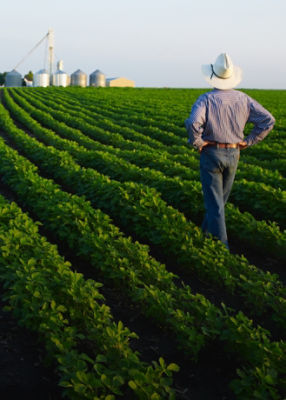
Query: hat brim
219 83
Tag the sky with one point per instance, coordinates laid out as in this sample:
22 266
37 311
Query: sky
156 43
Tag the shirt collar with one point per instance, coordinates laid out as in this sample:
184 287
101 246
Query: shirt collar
222 90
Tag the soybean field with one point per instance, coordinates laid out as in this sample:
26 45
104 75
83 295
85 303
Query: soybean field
103 260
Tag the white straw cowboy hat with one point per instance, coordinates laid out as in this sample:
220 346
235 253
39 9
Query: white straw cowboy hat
222 74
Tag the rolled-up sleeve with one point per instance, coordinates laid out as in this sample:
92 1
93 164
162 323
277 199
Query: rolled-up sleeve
195 124
263 122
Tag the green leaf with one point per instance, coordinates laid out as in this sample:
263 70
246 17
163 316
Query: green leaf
65 384
173 367
162 362
269 380
133 385
155 396
101 358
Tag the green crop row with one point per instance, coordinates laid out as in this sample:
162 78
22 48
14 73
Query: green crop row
264 151
267 202
142 113
44 104
177 109
129 133
245 171
190 317
166 112
275 163
68 312
249 172
150 110
265 237
112 120
144 214
165 106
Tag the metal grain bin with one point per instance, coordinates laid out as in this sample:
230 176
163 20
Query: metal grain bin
97 78
41 78
13 79
60 78
79 78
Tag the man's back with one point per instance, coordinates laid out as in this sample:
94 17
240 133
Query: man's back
227 114
220 116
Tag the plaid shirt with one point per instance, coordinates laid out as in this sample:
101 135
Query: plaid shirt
220 116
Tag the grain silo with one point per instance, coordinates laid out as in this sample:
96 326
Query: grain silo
97 78
41 78
60 78
13 79
79 78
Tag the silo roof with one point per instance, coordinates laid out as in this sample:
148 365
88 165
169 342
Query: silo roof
78 72
42 71
14 72
60 72
97 72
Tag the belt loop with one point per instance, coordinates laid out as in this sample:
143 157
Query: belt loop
217 145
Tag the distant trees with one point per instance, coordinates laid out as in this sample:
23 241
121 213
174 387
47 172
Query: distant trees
2 78
29 76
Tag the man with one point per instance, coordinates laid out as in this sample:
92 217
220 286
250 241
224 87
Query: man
215 127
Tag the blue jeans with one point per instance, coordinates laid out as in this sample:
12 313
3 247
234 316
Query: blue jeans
217 170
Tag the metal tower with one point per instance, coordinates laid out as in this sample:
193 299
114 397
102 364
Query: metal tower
51 53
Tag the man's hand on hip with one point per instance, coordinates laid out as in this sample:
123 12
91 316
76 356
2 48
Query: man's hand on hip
242 145
205 144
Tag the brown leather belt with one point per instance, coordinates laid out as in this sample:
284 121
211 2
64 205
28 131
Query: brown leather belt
224 145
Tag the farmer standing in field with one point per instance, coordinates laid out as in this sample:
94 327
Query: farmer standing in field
215 127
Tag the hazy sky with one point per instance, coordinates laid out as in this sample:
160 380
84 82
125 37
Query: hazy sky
154 42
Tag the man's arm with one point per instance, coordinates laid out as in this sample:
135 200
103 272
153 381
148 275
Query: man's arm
195 124
263 122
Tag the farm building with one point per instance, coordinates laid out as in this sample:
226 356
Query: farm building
119 82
